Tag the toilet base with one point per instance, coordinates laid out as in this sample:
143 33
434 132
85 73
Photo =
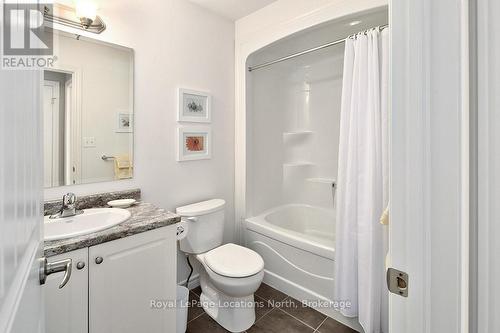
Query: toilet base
235 314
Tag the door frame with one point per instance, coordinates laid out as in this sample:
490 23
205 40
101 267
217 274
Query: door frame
68 139
73 118
429 228
55 133
486 85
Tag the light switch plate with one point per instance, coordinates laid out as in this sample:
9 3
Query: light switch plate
89 142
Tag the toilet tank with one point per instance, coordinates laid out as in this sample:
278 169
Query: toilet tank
205 225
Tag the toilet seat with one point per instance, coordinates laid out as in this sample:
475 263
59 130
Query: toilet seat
234 261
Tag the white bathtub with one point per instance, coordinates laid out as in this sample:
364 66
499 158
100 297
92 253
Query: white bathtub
305 227
297 243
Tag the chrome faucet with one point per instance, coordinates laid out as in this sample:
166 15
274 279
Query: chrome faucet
68 208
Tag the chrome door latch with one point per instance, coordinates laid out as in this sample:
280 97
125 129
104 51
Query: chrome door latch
397 282
47 268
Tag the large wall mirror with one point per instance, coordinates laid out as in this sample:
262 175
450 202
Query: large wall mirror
88 112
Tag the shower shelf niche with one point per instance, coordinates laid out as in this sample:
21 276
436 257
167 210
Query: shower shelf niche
329 181
298 164
297 133
296 138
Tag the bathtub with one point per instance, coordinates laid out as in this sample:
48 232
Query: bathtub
297 243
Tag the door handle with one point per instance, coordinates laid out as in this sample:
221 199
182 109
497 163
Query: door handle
47 269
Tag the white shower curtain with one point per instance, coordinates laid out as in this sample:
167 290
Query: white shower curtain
363 180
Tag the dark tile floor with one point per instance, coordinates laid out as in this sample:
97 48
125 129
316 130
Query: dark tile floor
275 312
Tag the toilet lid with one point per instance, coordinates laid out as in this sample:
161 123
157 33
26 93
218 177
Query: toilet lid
232 260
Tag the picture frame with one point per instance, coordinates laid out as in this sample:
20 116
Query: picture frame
124 122
194 143
194 106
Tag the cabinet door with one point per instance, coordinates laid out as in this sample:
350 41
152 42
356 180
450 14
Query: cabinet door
126 276
66 309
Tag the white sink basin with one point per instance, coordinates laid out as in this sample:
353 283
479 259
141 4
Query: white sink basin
92 220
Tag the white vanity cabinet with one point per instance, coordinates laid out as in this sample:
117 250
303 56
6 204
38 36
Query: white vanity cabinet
124 277
66 309
134 271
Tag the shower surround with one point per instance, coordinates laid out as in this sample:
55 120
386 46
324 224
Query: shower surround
292 129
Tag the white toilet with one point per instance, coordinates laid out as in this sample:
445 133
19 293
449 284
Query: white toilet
231 273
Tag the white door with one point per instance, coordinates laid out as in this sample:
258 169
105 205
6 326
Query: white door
21 180
125 276
51 134
429 164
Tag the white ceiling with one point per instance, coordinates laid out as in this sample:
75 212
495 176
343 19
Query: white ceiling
233 9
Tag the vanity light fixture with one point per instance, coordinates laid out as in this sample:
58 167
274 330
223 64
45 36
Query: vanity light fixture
85 11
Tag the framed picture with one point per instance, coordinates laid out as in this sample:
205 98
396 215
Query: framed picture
194 143
125 123
194 106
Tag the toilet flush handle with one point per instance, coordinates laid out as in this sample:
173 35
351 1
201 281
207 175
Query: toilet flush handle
192 219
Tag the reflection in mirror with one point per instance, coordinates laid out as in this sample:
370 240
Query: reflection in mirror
88 113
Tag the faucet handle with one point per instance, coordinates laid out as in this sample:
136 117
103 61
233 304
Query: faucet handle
69 200
68 207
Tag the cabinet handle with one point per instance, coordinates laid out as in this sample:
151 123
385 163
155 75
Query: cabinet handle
80 265
99 260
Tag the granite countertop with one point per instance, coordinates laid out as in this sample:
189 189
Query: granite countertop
144 217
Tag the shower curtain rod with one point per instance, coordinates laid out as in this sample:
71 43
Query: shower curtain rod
298 54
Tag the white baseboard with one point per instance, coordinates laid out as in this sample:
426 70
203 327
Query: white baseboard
194 282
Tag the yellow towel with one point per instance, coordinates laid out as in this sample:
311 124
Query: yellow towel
123 167
384 219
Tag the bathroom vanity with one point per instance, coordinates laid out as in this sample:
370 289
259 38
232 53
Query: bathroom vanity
116 275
